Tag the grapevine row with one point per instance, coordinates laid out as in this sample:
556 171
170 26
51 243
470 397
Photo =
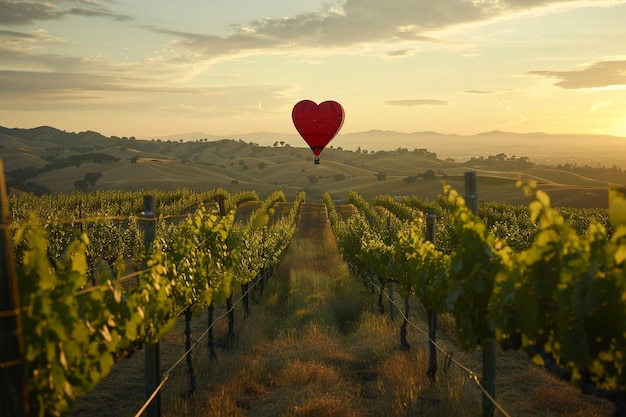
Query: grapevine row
560 296
112 216
72 335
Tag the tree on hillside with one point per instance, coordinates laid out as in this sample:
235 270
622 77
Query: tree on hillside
92 177
428 175
81 185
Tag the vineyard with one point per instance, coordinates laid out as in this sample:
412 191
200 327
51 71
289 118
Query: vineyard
95 285
558 294
103 275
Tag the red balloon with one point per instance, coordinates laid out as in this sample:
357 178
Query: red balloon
317 124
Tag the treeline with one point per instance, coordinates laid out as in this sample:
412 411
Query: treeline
21 178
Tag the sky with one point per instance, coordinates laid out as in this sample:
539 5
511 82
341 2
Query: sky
153 68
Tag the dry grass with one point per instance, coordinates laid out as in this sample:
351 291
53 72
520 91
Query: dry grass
317 346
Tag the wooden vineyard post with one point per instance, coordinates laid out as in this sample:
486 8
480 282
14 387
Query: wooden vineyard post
152 350
211 337
221 205
404 344
13 395
381 295
231 316
229 300
431 219
192 376
245 300
392 310
471 194
488 381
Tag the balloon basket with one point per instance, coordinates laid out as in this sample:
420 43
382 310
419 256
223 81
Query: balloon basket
317 161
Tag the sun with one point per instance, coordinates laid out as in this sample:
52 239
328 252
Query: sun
620 128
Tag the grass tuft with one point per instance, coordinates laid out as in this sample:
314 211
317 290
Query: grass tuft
325 406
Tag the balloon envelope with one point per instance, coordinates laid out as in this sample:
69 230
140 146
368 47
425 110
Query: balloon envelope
317 124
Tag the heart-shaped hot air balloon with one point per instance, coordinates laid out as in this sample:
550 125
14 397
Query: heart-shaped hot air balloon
317 123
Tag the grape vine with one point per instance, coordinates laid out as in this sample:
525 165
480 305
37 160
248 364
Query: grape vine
538 281
73 327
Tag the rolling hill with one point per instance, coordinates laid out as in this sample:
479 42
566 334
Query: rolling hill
45 159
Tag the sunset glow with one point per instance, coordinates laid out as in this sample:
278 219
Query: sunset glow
151 68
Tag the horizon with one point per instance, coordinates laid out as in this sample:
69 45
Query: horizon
539 147
485 132
150 68
218 136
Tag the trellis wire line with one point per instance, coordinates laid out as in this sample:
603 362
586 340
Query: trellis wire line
154 394
128 277
473 376
166 374
211 326
96 219
121 280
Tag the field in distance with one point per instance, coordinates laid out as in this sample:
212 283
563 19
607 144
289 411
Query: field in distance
57 161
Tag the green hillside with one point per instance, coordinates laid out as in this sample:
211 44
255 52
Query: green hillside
48 160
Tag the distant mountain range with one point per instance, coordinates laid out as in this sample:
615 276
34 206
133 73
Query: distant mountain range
540 147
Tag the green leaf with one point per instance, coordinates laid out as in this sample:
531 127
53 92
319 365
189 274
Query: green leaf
617 206
538 360
165 329
620 254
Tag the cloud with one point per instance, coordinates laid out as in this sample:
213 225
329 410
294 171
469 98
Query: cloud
215 46
22 42
12 34
98 13
418 102
26 12
26 83
479 92
600 105
15 13
400 53
28 91
14 57
597 75
357 22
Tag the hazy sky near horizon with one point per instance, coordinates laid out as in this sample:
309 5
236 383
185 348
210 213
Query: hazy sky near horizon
151 68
